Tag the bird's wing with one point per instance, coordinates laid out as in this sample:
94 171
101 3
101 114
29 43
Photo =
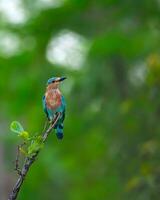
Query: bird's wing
64 108
63 102
59 124
61 109
44 106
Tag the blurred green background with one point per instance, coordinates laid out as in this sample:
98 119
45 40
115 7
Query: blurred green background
110 52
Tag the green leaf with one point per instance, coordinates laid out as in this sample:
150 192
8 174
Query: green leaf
35 145
16 127
24 135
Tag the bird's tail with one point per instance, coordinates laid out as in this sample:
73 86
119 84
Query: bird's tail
59 131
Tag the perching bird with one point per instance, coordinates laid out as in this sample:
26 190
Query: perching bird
53 103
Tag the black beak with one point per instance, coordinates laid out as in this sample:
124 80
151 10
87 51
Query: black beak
62 79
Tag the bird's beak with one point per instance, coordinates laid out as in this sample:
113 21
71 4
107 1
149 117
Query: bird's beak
61 79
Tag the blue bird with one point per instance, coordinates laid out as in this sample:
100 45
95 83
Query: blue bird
54 102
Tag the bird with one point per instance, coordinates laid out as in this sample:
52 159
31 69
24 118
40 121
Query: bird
54 103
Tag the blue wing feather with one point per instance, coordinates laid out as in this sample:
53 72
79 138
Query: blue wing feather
59 125
44 106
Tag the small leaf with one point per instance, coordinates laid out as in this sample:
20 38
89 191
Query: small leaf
35 146
16 127
24 135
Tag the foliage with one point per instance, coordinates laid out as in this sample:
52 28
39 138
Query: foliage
17 128
33 144
111 139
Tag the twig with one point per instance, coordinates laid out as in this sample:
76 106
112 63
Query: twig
29 161
17 158
45 125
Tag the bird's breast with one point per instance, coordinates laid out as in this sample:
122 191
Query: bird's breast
53 99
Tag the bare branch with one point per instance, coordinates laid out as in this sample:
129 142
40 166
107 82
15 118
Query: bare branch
17 168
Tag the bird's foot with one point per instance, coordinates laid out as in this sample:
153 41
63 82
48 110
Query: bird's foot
51 121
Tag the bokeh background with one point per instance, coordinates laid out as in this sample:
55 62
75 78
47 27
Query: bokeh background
110 52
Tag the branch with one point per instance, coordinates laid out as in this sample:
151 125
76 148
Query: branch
17 159
29 161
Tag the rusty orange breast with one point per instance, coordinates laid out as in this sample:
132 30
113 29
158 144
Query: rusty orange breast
53 98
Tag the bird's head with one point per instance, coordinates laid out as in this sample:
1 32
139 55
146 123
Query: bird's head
55 81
